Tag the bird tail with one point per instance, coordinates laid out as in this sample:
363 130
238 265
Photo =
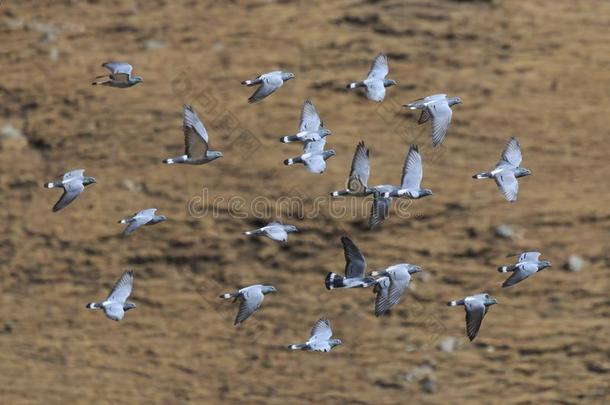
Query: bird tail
334 280
506 269
251 82
300 346
483 175
49 185
228 296
255 232
92 305
178 159
455 303
288 139
292 161
101 80
338 193
123 221
353 85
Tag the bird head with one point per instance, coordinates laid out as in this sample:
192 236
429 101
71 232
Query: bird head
454 101
415 269
269 289
291 228
425 192
88 180
216 154
489 300
329 153
128 305
287 76
388 83
335 342
544 264
324 132
137 79
522 172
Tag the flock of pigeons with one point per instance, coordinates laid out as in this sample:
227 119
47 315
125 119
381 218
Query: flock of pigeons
389 284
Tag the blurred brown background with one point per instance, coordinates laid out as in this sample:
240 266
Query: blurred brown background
538 70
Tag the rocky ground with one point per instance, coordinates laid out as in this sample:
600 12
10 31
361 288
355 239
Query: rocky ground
537 70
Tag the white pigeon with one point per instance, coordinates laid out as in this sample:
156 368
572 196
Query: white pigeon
319 338
438 108
251 299
120 76
73 183
274 230
476 307
269 82
375 82
527 265
116 304
391 285
144 217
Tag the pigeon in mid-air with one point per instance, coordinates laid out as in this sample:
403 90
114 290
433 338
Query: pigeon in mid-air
476 307
527 265
391 285
116 304
311 127
319 338
507 171
375 82
144 217
438 108
196 142
120 76
250 298
355 266
269 82
274 230
73 183
358 175
412 174
314 156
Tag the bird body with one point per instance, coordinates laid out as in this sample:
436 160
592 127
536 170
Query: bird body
391 285
73 184
119 77
476 307
144 217
375 82
355 266
269 83
274 230
437 109
116 304
357 181
250 298
319 338
526 266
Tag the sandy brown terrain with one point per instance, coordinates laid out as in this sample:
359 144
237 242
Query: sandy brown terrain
539 70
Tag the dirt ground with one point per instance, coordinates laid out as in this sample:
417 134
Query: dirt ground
538 70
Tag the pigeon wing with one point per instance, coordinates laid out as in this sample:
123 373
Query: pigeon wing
74 174
508 184
250 302
355 264
400 281
441 114
512 152
379 210
310 120
195 134
360 171
269 85
475 311
321 330
120 71
122 288
382 287
519 275
72 189
375 90
529 257
412 172
379 68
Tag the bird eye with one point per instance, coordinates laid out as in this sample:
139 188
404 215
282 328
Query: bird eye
486 295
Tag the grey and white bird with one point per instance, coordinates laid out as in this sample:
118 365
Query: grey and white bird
319 338
73 184
437 109
314 156
196 142
412 174
391 285
527 265
120 76
269 82
116 304
357 182
355 267
274 230
311 127
476 307
141 218
375 82
250 297
507 171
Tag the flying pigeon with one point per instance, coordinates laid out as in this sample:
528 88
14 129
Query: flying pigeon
116 304
314 157
507 171
391 285
120 76
355 266
196 142
375 82
412 174
358 175
437 107
274 230
319 338
311 127
73 183
476 307
269 82
251 299
144 217
527 265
